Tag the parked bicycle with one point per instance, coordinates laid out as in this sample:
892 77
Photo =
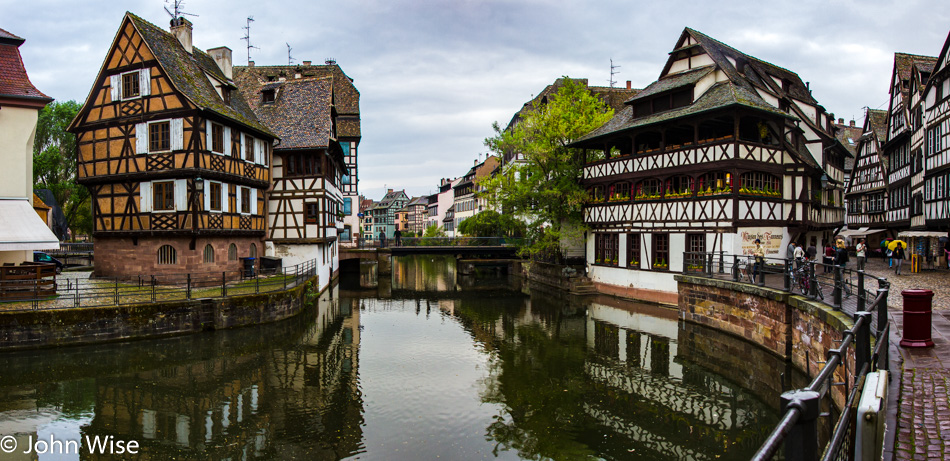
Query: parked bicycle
804 282
746 268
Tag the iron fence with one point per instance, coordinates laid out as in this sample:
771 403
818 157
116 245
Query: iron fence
142 289
444 241
843 289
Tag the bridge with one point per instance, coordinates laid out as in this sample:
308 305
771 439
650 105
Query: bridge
499 248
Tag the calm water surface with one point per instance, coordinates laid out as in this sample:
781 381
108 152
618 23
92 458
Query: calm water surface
423 366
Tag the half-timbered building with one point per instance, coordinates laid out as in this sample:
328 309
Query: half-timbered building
343 105
175 160
305 204
936 134
722 149
866 194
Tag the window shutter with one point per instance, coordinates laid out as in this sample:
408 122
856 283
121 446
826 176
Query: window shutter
208 135
259 152
224 198
207 196
145 81
141 138
227 141
253 201
181 195
114 86
145 197
237 199
176 126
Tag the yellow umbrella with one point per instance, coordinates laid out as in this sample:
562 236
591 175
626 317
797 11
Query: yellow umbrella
893 244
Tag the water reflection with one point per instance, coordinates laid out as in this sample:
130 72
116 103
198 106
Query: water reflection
424 365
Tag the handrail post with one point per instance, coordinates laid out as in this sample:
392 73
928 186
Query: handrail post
224 284
836 294
788 275
760 273
257 283
862 342
802 441
862 299
883 361
116 291
722 267
153 288
188 287
685 263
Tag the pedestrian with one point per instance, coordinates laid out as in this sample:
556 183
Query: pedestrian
841 254
382 239
812 252
799 256
397 236
759 254
861 252
790 254
898 256
829 257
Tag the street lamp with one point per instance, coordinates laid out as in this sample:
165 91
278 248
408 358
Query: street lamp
824 181
199 184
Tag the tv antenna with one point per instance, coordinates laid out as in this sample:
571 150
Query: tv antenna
290 59
178 7
247 38
613 71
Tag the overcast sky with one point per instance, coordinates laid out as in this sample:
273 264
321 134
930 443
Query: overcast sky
434 75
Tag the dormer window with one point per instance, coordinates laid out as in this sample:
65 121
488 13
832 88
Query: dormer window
267 96
130 85
226 95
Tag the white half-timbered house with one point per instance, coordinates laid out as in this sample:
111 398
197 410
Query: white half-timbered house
936 126
866 191
176 162
722 149
305 204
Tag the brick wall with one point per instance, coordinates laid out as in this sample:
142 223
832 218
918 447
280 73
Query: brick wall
128 258
87 325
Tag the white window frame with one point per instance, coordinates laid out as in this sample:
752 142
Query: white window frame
252 194
175 132
145 84
224 197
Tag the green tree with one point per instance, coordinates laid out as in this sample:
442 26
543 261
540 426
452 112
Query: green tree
490 223
434 231
544 190
54 163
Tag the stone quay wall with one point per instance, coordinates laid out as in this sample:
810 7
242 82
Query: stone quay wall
88 325
792 327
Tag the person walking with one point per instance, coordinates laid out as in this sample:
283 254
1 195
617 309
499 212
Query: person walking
398 237
861 252
759 254
829 258
799 256
898 257
812 252
841 254
382 239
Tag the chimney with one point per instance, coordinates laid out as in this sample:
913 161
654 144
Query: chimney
390 191
307 63
628 84
250 64
181 29
840 121
222 56
852 123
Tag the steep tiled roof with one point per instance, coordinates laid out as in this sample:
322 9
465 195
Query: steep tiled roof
344 95
848 136
670 82
14 82
878 123
904 65
614 97
187 72
300 113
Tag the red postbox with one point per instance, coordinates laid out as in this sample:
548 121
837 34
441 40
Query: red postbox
918 308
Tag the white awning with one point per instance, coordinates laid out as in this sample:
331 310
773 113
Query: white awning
22 229
863 231
910 234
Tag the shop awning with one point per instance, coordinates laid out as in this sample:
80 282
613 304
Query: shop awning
22 229
911 234
863 231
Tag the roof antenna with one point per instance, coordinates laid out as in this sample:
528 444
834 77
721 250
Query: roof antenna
290 59
247 38
178 10
613 71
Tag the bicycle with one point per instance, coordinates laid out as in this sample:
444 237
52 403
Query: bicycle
745 268
804 283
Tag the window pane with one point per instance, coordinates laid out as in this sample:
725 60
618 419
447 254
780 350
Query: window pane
159 137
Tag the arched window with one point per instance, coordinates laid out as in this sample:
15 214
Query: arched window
679 186
764 184
209 253
714 183
253 252
648 189
619 191
232 252
167 255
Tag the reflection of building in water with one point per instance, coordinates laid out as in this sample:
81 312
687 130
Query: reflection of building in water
429 273
650 395
271 402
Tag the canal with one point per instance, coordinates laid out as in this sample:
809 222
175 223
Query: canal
424 365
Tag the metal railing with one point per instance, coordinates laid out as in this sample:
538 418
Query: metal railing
142 289
802 408
72 247
445 241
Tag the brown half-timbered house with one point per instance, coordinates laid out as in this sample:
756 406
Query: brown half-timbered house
305 205
344 110
723 148
175 159
867 192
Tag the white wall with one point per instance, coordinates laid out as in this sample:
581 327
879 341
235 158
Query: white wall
17 130
292 254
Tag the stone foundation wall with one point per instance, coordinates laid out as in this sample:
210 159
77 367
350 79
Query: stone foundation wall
130 258
86 325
